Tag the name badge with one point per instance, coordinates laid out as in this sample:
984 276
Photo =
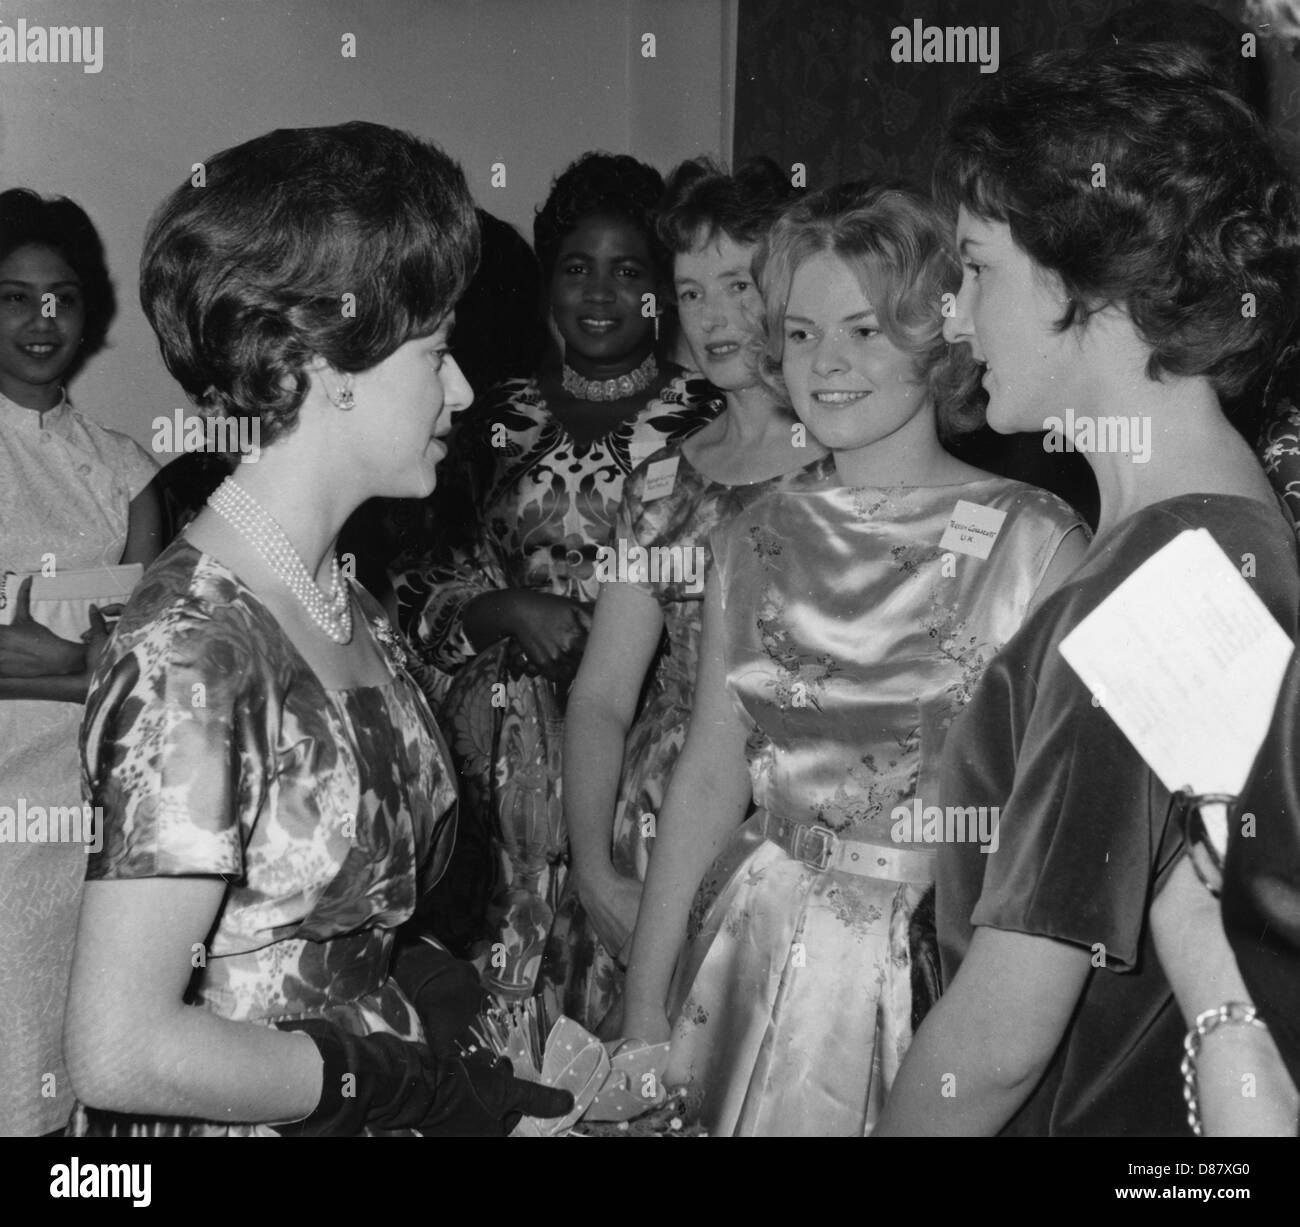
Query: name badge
972 529
660 478
642 449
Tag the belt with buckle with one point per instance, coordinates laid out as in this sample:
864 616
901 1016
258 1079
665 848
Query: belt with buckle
820 848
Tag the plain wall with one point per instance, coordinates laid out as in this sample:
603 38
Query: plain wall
527 83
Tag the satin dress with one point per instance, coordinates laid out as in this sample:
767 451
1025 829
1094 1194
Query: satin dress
854 633
216 751
580 977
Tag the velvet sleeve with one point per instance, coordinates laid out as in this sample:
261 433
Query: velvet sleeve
1079 836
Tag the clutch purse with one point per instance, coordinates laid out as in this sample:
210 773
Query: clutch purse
62 602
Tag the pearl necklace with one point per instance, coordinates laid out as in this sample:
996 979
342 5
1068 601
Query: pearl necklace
333 614
611 389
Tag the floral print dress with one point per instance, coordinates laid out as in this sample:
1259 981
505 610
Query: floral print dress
854 633
546 503
214 749
581 978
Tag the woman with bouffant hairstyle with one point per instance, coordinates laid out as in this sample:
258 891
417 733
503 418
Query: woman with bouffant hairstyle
1131 248
273 787
842 633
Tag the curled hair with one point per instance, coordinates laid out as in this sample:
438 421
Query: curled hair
27 218
1132 176
600 185
899 246
342 242
1211 33
701 201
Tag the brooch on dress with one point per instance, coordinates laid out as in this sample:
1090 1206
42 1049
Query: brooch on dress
399 656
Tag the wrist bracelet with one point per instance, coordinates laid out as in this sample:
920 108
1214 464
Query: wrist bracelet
1209 1020
1195 836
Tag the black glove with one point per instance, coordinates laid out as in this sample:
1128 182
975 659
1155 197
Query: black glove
445 991
386 1083
483 1098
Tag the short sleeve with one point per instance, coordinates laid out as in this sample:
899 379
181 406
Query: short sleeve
168 750
138 467
1079 836
632 530
132 466
1086 838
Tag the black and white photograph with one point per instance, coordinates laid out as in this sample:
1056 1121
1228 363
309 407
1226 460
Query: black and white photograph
650 568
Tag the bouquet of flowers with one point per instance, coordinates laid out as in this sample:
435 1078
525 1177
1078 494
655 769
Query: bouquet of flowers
617 1090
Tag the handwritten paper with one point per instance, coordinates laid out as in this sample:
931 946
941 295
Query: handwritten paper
1188 662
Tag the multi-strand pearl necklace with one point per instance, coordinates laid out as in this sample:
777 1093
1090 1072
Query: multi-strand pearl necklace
610 389
332 613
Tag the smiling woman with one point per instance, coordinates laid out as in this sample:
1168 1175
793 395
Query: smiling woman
74 503
505 620
841 634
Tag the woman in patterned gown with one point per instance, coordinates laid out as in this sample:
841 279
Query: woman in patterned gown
504 621
272 783
618 768
843 630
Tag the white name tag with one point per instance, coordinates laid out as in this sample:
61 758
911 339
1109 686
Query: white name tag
972 529
660 478
642 449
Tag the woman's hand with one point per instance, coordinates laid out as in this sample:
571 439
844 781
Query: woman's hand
550 631
28 649
96 638
612 903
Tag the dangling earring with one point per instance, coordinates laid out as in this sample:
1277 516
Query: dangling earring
657 314
345 398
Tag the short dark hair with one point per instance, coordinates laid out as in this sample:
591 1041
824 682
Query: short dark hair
1161 22
244 273
1193 214
899 245
701 200
27 218
600 185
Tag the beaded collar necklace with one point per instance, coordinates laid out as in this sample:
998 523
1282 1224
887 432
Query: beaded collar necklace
611 389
